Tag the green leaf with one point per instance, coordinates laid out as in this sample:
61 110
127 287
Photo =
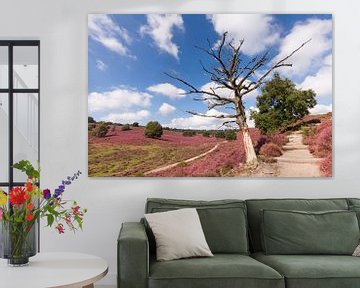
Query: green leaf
26 167
50 219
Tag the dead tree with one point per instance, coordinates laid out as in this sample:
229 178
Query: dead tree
229 73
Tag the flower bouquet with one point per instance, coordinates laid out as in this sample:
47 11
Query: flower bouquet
21 208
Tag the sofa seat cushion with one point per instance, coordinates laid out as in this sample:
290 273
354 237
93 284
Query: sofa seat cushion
313 271
222 270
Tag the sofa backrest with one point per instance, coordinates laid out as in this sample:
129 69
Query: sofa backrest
255 206
223 221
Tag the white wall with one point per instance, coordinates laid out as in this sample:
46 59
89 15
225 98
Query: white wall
62 28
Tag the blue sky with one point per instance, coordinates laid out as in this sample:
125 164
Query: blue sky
129 55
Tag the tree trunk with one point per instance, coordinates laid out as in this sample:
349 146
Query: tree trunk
251 158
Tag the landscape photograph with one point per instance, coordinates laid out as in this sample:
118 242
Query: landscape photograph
210 95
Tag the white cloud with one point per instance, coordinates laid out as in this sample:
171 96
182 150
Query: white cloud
321 81
250 122
166 109
168 90
321 109
160 28
101 65
126 117
311 55
198 122
222 92
259 31
118 99
104 30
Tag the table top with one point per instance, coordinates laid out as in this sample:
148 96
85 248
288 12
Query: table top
67 270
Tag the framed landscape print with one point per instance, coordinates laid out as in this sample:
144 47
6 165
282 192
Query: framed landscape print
219 95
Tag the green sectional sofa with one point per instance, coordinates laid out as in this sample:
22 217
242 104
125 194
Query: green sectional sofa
238 234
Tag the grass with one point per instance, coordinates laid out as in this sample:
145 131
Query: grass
135 160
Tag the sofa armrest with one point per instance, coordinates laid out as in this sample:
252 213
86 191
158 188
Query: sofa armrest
133 256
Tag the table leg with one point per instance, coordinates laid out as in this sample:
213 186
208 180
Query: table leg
89 286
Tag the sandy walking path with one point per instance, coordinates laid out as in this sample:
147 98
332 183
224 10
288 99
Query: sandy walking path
186 161
297 161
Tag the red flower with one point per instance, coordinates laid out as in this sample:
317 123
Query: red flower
29 217
29 206
27 196
60 228
17 196
29 186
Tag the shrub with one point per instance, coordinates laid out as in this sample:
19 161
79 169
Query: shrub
279 139
259 143
270 150
189 133
100 130
220 134
206 134
135 124
230 135
326 166
126 127
153 129
91 119
325 140
306 130
91 126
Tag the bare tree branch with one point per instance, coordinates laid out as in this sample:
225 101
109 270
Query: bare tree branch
194 90
220 116
278 64
227 124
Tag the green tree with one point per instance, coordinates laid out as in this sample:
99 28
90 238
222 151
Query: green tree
281 104
220 134
126 127
153 129
189 133
101 130
206 133
230 135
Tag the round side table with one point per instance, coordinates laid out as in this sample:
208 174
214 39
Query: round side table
50 270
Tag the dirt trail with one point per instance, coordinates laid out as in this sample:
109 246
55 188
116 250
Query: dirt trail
297 161
186 161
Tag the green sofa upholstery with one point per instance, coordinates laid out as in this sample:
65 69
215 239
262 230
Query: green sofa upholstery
314 271
222 270
233 231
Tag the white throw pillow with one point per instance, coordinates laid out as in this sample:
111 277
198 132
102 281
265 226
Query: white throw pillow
178 234
357 251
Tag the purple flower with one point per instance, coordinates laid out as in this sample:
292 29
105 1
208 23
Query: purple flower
46 194
64 183
58 192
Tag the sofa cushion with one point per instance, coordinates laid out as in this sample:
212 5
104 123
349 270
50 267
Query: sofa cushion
178 234
313 271
223 221
255 206
353 201
222 270
297 232
356 209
